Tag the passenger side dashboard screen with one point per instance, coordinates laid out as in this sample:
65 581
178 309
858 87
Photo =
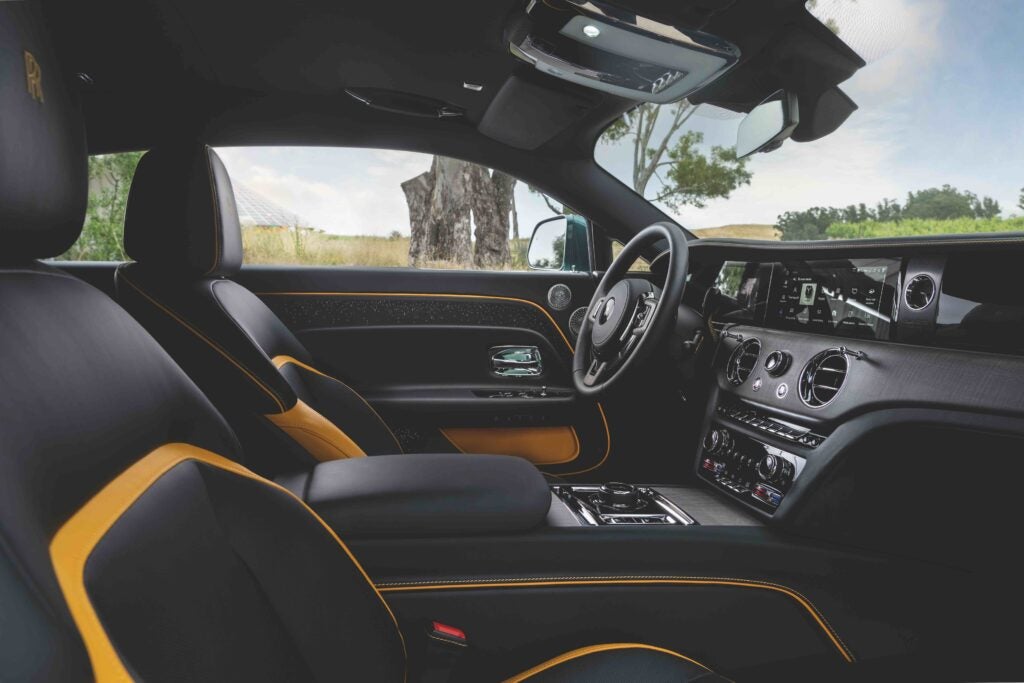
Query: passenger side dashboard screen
848 297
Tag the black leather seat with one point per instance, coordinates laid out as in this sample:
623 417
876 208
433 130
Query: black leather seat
132 543
182 230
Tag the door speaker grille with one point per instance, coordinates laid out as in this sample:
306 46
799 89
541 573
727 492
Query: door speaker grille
559 297
576 321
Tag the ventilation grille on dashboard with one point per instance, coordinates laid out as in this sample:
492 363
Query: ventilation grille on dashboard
742 361
823 377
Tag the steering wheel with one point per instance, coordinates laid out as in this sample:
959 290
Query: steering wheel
627 315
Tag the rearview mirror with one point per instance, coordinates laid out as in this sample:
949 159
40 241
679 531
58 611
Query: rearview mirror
768 124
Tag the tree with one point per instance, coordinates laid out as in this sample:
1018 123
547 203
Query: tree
689 176
948 202
810 224
439 213
1020 200
102 238
447 200
491 200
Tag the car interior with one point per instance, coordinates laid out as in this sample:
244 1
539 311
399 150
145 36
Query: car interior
217 470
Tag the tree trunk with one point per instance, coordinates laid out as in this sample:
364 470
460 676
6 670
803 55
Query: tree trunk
417 195
491 200
450 212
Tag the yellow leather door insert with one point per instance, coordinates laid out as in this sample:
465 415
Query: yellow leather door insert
314 432
539 445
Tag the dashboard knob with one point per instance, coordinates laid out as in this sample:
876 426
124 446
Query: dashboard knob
777 362
775 470
718 441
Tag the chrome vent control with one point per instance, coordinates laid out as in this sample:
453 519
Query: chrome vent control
824 375
742 361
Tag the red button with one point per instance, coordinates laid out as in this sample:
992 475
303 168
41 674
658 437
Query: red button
450 631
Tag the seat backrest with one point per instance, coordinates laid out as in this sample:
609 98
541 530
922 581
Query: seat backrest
182 230
131 542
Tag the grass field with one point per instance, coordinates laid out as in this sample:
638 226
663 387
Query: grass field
751 231
279 246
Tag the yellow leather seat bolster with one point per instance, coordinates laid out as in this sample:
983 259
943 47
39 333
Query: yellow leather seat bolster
314 432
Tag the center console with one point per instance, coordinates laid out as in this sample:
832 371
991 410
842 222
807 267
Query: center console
747 467
619 504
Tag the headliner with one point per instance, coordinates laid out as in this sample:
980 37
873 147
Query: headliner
234 73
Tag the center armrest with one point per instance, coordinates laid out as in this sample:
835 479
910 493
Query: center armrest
439 494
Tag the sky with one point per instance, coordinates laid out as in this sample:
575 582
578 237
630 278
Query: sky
940 101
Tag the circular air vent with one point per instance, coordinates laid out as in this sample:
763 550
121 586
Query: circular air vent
823 377
559 297
742 361
920 292
576 320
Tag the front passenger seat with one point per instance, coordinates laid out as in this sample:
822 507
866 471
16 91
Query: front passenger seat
182 230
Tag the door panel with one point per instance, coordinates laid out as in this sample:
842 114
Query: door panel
418 345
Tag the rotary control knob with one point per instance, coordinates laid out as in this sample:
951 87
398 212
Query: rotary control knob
775 470
777 362
619 495
718 441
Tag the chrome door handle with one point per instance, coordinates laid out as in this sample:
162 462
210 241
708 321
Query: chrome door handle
516 361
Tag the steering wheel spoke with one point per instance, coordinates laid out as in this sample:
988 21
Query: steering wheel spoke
596 371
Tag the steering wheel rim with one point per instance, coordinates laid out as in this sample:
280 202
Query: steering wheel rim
595 373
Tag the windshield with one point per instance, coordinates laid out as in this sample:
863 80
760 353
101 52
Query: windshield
936 146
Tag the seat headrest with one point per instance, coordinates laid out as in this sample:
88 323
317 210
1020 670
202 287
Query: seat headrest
181 216
44 176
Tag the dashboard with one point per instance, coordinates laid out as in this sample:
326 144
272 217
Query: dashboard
960 301
817 351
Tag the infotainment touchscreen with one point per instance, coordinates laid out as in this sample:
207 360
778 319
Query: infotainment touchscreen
852 298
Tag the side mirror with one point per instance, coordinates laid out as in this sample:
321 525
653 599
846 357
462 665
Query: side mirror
768 124
560 243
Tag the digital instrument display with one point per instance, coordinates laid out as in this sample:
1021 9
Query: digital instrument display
849 297
852 298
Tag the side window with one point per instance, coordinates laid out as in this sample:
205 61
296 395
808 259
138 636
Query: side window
377 208
102 238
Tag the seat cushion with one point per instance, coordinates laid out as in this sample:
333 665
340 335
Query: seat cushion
616 663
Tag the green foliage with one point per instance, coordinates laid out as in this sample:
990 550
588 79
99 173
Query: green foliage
1020 200
693 177
923 226
948 202
689 174
102 239
807 225
933 204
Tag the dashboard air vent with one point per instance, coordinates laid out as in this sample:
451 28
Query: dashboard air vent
823 377
920 292
742 361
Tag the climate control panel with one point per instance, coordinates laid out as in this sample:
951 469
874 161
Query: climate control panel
757 473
